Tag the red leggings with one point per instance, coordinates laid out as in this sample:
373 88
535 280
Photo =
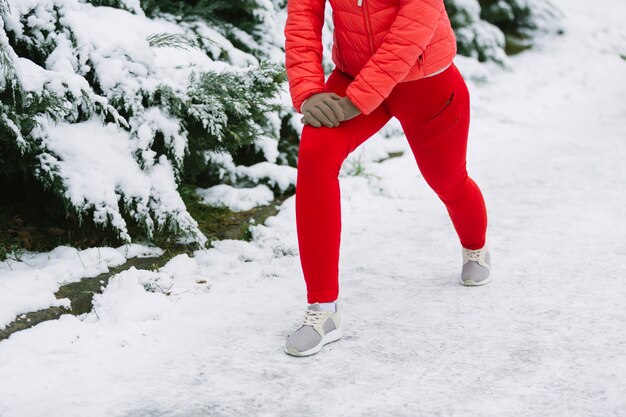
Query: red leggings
434 113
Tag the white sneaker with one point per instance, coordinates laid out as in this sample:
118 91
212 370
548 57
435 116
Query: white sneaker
319 328
476 267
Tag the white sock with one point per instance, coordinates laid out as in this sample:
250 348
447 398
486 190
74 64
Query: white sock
328 306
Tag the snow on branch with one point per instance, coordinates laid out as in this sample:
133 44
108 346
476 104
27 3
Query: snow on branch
111 109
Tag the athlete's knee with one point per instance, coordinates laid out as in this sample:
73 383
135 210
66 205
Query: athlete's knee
319 144
452 189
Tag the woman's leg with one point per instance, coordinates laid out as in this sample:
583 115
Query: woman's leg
318 214
435 115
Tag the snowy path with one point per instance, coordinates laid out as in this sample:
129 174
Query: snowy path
546 338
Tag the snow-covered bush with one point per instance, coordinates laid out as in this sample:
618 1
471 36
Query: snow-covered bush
130 5
489 29
475 37
520 20
111 109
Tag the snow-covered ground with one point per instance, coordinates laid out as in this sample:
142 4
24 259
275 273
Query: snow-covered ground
546 338
30 283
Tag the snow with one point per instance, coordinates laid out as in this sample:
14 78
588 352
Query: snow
236 199
545 338
127 301
93 182
29 283
279 176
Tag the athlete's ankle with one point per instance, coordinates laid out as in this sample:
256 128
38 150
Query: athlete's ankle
327 306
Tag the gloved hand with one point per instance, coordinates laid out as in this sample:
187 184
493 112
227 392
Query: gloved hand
348 109
322 108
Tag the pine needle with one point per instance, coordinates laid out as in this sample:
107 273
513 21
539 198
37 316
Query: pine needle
172 40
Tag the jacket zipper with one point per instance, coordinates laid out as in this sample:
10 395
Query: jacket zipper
367 23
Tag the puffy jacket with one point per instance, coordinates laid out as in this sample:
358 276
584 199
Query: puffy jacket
378 42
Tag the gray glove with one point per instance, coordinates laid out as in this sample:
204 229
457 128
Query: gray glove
323 108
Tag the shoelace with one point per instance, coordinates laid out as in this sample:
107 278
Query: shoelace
473 254
313 317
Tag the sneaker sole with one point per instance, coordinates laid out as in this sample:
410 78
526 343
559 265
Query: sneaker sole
472 283
329 337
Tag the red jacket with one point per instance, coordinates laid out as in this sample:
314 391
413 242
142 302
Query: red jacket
378 42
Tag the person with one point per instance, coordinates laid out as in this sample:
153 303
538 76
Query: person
393 58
